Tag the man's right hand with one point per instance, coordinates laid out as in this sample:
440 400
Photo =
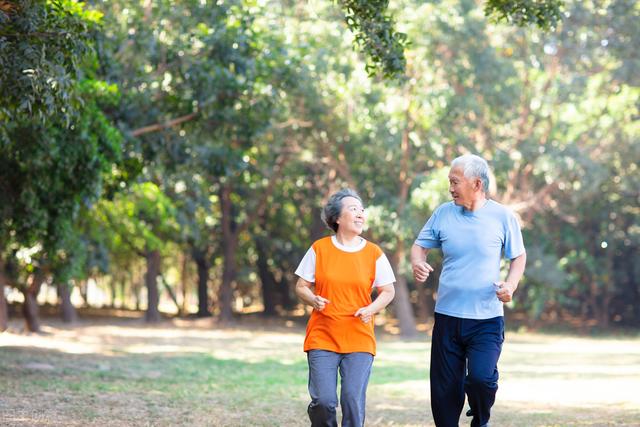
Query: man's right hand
319 302
421 271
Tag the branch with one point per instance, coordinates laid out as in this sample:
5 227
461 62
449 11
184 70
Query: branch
170 292
293 123
159 126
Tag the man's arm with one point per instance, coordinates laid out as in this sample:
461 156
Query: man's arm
419 264
516 270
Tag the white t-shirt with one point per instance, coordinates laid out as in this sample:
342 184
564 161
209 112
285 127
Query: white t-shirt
384 272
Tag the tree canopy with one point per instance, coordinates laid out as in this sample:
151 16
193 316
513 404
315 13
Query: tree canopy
181 151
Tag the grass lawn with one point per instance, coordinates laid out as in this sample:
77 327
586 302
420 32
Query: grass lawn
119 372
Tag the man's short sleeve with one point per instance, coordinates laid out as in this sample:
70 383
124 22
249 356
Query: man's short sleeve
307 267
513 242
429 236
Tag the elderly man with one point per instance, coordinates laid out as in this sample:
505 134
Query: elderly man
473 232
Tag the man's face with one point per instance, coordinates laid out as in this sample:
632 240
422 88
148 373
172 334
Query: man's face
462 189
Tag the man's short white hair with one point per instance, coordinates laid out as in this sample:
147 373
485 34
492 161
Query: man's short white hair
473 166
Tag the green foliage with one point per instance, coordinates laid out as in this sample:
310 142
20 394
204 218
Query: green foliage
48 172
136 221
544 13
375 34
42 46
385 47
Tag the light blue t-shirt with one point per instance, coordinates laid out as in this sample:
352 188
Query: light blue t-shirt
472 243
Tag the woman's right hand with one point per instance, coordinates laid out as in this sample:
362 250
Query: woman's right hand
319 302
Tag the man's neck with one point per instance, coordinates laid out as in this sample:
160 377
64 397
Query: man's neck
477 203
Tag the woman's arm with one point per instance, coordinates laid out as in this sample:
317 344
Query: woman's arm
385 296
306 295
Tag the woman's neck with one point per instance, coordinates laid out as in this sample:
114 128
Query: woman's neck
348 239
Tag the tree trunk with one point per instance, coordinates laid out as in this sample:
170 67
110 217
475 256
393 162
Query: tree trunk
202 265
284 288
269 293
151 281
112 288
82 287
402 300
318 227
5 281
229 244
231 232
4 314
30 306
404 310
68 311
123 295
423 307
135 291
30 312
184 278
226 287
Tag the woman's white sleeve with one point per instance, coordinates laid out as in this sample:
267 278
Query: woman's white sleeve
384 272
307 267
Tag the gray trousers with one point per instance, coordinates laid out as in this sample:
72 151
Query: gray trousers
354 369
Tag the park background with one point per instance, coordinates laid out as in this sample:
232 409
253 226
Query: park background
163 165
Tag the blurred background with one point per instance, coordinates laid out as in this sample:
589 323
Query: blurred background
171 158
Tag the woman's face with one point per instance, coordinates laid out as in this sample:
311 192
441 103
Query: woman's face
352 217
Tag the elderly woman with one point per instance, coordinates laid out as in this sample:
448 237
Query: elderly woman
336 278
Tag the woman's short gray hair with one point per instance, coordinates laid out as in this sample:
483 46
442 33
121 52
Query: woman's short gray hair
333 208
473 166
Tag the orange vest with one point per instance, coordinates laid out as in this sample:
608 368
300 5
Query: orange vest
346 280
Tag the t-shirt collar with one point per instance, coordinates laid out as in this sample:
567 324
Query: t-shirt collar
342 247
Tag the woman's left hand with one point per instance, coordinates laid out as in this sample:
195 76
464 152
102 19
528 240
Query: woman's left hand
365 314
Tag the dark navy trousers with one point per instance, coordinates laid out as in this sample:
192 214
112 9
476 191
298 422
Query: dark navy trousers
464 359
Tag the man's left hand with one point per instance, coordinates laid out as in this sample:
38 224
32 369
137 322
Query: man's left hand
504 291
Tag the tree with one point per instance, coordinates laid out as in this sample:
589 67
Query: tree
375 33
42 47
46 175
142 221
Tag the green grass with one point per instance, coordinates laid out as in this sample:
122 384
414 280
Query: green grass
194 374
